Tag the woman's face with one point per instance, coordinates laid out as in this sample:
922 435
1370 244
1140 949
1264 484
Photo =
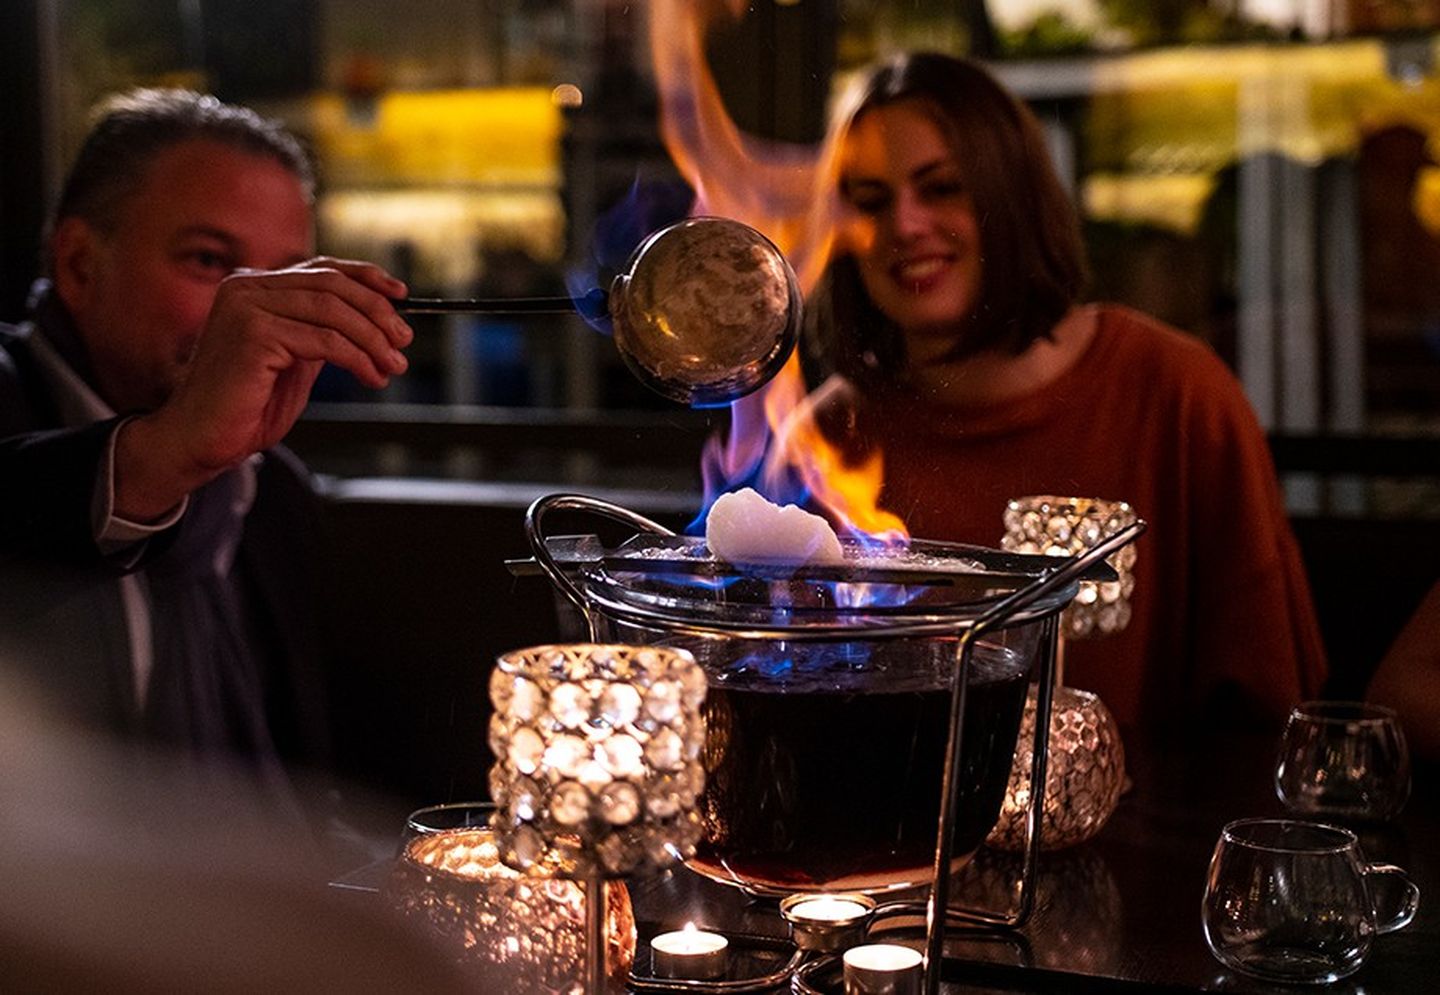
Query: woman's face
909 221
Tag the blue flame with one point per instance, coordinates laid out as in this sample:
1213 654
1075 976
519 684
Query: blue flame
647 207
812 658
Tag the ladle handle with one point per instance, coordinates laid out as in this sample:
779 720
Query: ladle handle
535 533
592 305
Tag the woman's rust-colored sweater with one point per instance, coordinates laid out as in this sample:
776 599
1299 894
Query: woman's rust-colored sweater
1222 619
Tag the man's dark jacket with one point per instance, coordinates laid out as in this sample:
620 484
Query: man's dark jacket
62 622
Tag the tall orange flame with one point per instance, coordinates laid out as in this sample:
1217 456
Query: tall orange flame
783 191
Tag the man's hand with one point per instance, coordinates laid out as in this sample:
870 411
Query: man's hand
268 336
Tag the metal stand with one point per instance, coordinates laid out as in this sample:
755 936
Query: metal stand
596 907
938 908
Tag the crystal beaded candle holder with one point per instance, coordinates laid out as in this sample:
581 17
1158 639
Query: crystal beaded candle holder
507 931
1065 526
597 758
1083 778
1086 769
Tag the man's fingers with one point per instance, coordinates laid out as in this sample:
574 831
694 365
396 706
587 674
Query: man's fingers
366 272
372 276
365 287
306 341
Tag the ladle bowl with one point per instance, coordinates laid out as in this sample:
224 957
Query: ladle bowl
706 311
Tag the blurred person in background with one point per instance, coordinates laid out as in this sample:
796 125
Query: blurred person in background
155 539
1408 678
952 299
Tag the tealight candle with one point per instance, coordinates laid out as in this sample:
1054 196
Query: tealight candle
827 923
826 908
691 954
882 969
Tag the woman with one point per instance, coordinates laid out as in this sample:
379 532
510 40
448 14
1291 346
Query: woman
951 300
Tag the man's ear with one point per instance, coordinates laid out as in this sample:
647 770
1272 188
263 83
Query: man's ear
74 257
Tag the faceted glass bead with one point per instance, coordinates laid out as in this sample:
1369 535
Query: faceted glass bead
526 749
623 756
1012 518
662 803
1032 526
618 854
666 750
527 700
693 686
620 803
662 701
620 705
526 797
529 846
653 664
570 705
570 804
566 755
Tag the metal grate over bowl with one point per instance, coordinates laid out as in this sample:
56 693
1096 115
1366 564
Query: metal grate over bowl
663 579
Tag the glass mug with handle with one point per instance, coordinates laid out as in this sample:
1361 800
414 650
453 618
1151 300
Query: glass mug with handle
1343 759
1291 901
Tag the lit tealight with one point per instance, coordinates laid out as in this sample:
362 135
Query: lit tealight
690 954
882 969
827 923
828 909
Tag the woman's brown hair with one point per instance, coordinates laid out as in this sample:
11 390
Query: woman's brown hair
1033 259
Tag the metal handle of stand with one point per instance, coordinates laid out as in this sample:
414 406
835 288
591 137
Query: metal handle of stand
534 532
643 985
1068 571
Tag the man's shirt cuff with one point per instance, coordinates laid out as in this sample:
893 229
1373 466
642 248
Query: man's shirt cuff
114 534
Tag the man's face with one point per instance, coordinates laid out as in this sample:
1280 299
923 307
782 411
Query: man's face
141 294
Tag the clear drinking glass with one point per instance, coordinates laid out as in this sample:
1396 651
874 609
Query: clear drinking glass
1345 759
1291 901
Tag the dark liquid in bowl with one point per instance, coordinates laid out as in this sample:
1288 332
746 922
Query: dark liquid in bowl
828 788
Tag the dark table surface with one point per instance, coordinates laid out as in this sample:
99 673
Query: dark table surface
1122 911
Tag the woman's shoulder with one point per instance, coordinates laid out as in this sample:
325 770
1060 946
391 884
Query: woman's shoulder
1143 346
1136 332
1174 366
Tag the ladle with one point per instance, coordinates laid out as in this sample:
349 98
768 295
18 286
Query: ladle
706 310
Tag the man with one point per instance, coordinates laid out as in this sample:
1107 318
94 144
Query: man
153 539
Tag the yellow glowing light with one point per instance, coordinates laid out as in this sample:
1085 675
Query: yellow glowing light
502 136
1427 198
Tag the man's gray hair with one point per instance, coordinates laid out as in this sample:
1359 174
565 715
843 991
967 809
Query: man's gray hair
130 129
